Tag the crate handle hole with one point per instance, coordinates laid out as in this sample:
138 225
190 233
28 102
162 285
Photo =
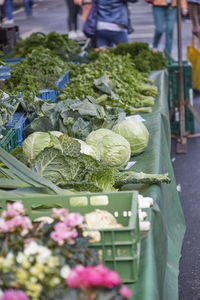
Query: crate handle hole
125 213
129 213
99 200
78 201
116 214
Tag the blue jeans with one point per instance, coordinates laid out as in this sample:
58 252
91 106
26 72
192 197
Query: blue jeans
9 9
164 19
28 6
110 38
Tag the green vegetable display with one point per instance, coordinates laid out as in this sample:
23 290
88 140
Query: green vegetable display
114 149
38 71
74 117
58 43
142 56
135 133
65 165
113 81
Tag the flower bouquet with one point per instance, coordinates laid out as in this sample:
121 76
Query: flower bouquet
50 259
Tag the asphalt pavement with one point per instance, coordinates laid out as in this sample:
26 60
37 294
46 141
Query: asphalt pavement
51 15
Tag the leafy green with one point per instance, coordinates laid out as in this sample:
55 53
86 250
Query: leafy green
114 76
39 70
24 173
142 56
58 43
37 141
8 106
75 118
131 177
69 168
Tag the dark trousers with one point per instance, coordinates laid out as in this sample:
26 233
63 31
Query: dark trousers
73 11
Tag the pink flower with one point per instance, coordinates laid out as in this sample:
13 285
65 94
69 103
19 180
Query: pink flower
74 219
61 213
75 278
92 277
18 222
12 294
111 279
63 233
125 292
3 225
13 210
18 206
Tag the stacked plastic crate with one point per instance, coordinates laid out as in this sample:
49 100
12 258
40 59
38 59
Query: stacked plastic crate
173 95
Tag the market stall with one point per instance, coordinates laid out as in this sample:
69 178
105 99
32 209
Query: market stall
161 246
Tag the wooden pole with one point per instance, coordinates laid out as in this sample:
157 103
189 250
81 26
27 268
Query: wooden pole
182 140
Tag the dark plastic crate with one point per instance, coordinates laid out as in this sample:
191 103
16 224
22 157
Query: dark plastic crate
173 94
9 140
118 248
19 122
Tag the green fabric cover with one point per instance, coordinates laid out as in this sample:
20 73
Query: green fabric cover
161 246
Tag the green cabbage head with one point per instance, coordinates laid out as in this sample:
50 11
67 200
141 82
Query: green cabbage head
89 150
135 133
113 148
38 141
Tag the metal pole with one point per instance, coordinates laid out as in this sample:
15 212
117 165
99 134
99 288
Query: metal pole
182 141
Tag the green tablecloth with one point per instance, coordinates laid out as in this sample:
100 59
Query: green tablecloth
161 246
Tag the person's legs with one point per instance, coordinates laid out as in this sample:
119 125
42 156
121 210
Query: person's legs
158 15
109 38
103 38
193 9
28 6
9 9
119 37
170 22
72 15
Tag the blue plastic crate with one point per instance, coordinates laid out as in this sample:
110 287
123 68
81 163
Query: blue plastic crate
14 60
48 95
60 83
4 72
19 122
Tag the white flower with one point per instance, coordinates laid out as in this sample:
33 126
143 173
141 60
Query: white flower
1 293
20 257
31 249
10 256
44 254
64 272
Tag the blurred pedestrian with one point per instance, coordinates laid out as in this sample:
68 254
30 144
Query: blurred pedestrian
112 22
1 11
72 20
194 15
8 12
28 7
164 13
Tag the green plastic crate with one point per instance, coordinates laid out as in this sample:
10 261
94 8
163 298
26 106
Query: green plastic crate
119 248
9 140
173 94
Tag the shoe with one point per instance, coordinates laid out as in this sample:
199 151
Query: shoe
72 35
80 34
7 21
